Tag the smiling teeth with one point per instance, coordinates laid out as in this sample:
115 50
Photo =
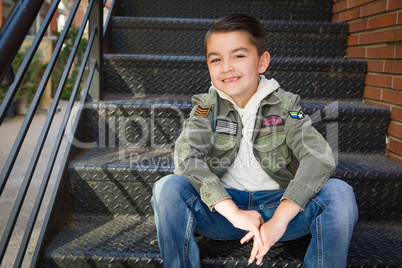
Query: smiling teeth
231 79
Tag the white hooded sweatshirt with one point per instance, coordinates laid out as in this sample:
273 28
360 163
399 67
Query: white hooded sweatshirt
246 173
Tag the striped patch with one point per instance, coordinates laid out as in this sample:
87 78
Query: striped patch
202 111
297 114
226 127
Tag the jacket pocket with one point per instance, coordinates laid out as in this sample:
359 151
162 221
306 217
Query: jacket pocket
223 147
272 151
224 142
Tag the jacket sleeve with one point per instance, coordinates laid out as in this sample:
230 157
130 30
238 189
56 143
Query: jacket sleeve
191 150
316 162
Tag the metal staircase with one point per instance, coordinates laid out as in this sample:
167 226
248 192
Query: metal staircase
101 214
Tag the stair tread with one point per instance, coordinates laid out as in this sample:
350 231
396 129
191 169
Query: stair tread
276 63
133 239
325 110
278 10
184 23
363 165
144 75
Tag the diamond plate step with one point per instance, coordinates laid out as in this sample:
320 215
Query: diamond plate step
312 79
119 182
293 10
157 122
161 36
131 242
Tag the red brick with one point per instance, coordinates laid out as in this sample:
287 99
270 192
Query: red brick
350 14
372 93
353 40
381 36
382 21
396 158
358 26
374 8
339 6
336 17
395 146
356 52
397 83
381 52
375 66
395 129
355 3
392 96
393 35
394 67
396 114
398 52
378 80
399 18
394 4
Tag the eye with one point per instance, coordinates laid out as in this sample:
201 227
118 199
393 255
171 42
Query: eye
239 56
215 60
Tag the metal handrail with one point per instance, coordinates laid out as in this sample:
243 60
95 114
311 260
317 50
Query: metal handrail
12 91
14 31
59 139
93 54
34 105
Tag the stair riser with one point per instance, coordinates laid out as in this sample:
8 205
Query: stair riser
164 39
309 79
130 192
289 11
158 128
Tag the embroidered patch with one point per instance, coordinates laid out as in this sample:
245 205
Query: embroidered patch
272 120
297 115
226 127
202 111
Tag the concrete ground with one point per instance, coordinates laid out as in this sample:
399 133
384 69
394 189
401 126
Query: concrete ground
8 133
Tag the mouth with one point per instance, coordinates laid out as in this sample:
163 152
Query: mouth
231 79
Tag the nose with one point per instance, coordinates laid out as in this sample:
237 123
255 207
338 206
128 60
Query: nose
227 66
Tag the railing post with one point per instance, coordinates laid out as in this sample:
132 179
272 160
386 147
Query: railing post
96 21
13 32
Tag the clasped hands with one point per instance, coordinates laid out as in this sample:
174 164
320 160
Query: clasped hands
265 234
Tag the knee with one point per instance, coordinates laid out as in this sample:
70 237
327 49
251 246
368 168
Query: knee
342 198
168 187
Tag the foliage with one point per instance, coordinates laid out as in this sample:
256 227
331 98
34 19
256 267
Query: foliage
62 61
33 75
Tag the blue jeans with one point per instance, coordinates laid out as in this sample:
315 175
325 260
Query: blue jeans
180 213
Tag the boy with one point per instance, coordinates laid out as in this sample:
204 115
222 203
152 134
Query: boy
248 163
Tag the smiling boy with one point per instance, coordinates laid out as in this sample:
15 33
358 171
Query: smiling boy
246 167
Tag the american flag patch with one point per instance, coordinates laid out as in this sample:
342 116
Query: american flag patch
226 127
201 111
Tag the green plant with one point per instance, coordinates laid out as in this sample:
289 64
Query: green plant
2 93
32 77
62 61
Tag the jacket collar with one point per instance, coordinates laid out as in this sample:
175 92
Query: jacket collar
225 105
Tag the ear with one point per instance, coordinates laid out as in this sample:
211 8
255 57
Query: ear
264 62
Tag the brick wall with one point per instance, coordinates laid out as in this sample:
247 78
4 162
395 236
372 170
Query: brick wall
375 35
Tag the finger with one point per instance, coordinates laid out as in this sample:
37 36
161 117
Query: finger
259 260
257 237
254 252
247 237
261 253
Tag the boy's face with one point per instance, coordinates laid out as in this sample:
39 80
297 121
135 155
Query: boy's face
234 64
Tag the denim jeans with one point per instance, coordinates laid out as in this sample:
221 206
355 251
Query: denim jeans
180 213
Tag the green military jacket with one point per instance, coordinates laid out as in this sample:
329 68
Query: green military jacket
288 147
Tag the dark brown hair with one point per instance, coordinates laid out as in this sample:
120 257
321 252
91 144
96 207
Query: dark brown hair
240 22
